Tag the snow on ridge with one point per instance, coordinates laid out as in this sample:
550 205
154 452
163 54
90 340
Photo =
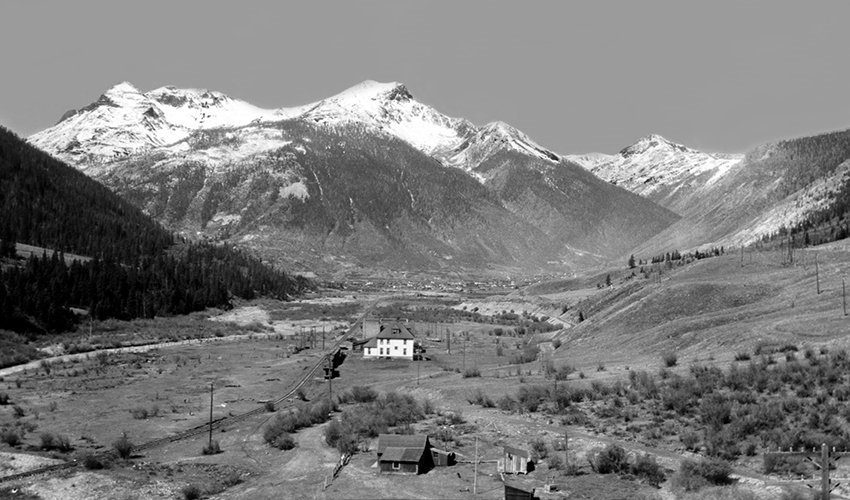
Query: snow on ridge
653 163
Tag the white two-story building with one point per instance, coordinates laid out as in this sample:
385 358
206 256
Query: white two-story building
394 340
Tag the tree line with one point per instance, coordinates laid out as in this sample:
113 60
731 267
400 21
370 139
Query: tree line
136 267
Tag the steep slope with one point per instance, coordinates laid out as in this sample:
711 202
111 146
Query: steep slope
582 212
774 186
319 195
179 153
134 270
667 173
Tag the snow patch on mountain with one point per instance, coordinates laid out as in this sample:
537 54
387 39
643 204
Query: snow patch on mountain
125 121
491 139
391 108
653 163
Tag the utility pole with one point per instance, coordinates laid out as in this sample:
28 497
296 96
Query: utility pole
330 381
824 469
817 274
211 409
323 337
449 340
566 450
742 255
844 295
464 354
475 477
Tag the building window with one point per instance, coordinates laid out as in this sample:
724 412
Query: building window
382 350
404 342
396 348
396 466
404 351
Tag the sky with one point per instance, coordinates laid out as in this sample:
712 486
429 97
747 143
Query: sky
575 76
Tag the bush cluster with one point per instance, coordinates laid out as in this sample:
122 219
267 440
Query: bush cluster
277 432
613 460
694 475
367 420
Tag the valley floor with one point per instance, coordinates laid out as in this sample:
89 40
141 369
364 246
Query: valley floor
705 314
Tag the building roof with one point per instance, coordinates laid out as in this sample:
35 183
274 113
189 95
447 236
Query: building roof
394 330
399 454
385 441
516 451
373 342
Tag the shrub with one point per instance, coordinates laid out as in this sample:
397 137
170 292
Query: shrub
141 413
611 459
506 403
91 461
694 475
212 448
269 405
10 437
123 446
646 468
690 439
539 449
669 359
471 372
742 356
55 442
18 412
363 394
283 441
4 399
481 399
191 492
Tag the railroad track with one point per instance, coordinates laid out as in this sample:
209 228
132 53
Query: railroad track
204 428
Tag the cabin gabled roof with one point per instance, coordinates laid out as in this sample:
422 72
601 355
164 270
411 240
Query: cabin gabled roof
516 451
397 454
417 441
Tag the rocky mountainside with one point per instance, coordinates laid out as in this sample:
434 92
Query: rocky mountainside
369 177
730 200
667 173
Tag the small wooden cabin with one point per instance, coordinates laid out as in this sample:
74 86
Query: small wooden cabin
410 454
443 458
516 461
518 493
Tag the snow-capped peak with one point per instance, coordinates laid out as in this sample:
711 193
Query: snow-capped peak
654 141
372 90
121 89
660 169
126 121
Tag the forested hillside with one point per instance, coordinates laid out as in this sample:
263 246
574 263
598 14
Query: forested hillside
136 270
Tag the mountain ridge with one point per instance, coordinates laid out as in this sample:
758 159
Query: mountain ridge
190 156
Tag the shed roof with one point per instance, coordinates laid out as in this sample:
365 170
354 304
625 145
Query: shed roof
400 454
516 451
401 441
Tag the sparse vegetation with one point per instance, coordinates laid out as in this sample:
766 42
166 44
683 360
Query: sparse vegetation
367 420
212 448
695 475
123 446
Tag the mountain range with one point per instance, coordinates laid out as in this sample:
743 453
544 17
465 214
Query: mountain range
373 179
367 178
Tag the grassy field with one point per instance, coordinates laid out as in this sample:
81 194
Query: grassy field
642 372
